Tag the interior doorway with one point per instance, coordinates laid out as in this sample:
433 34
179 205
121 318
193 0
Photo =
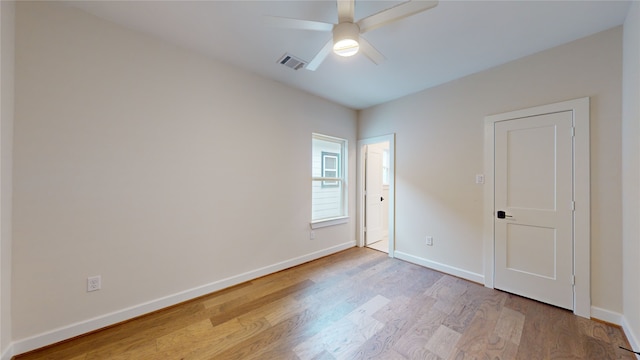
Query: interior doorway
511 218
376 193
533 197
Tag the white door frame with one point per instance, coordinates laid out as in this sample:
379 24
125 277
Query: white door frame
391 138
581 188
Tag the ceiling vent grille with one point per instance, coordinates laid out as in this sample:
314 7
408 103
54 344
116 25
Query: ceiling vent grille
292 62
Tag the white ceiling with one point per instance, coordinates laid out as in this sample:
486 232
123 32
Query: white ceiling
454 39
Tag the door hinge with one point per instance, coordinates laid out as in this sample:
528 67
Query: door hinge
573 279
573 131
573 205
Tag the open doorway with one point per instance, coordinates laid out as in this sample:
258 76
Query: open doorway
376 193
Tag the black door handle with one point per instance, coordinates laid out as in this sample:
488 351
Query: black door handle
381 198
501 214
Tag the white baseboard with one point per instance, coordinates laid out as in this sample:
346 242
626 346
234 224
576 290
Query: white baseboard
617 319
8 353
451 270
631 336
606 315
83 327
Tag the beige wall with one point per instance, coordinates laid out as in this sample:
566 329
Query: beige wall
439 149
152 166
631 174
7 14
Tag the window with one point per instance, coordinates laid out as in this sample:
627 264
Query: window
328 180
330 168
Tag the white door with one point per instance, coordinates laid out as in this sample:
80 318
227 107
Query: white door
374 227
534 207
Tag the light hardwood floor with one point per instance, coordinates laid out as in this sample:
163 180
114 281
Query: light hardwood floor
357 304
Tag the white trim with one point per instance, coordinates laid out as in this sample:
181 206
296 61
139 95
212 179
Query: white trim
633 339
617 319
581 180
609 316
488 201
8 353
451 270
83 327
329 222
391 139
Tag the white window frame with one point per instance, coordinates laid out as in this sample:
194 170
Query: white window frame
341 180
336 169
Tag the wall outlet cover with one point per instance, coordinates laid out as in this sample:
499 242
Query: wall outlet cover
94 283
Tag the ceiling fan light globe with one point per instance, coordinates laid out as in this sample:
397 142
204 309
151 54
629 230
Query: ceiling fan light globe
345 39
346 47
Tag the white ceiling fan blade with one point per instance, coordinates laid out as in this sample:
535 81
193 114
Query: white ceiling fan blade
283 22
346 10
371 52
395 13
320 56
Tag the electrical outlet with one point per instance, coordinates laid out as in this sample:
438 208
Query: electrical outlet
94 283
430 240
312 235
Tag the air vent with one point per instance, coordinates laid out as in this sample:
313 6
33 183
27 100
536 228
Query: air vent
292 62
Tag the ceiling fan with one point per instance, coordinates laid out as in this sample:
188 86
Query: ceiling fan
346 33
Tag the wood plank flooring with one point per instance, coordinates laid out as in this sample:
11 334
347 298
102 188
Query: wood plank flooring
357 304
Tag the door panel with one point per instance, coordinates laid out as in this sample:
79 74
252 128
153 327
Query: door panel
531 167
373 198
534 187
531 257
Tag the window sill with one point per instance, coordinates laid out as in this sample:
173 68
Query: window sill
329 222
